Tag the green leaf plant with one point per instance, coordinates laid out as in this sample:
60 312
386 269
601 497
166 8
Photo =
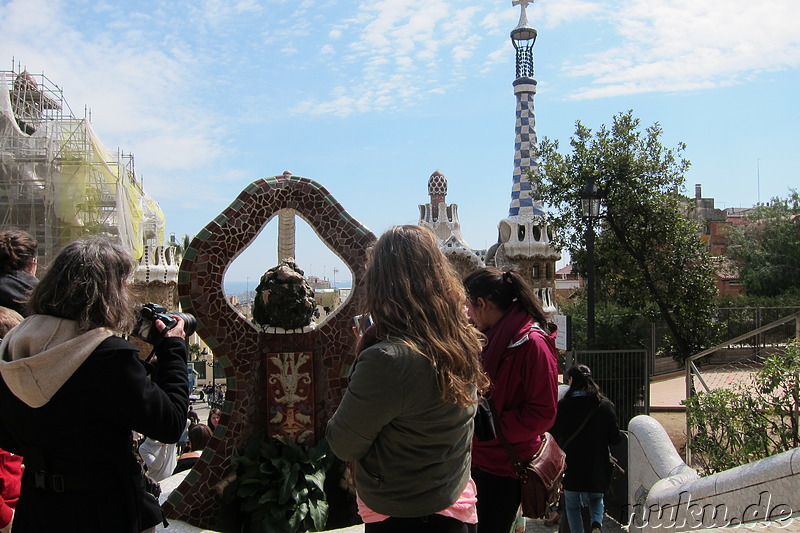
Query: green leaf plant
749 421
279 486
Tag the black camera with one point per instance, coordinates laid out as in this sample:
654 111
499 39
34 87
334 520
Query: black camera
146 330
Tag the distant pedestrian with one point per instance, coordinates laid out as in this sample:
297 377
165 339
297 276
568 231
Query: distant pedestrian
199 436
213 418
586 424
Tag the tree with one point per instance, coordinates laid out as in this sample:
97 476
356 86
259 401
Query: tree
767 250
182 246
649 256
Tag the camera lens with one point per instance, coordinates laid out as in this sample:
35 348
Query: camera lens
189 323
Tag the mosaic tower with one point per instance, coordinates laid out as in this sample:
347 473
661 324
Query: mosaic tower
523 237
442 220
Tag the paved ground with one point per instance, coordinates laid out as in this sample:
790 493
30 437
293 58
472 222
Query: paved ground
538 526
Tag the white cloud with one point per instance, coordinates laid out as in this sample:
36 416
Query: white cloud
497 57
674 45
138 91
217 11
399 51
554 13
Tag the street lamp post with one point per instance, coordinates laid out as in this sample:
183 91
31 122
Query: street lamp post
590 209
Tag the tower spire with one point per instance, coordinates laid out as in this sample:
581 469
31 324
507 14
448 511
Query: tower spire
523 237
523 38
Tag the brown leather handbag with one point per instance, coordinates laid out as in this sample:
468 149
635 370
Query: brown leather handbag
540 478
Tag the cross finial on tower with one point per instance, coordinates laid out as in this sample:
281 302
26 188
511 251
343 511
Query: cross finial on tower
523 17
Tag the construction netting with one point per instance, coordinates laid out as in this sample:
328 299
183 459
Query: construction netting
58 181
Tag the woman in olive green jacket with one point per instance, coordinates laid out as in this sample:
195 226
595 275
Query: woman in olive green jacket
406 418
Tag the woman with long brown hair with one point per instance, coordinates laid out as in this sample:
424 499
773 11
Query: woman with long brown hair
521 362
407 415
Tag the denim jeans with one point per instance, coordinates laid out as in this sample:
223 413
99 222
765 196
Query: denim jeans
575 500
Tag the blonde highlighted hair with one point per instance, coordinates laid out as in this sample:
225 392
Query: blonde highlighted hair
416 298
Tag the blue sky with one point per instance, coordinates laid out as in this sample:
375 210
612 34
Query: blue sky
369 97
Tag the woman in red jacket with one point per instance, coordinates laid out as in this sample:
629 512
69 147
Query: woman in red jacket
520 360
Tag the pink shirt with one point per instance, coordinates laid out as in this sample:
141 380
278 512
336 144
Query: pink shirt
463 510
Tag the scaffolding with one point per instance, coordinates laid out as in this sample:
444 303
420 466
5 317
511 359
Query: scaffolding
58 181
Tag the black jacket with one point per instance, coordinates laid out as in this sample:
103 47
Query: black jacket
588 468
80 473
15 288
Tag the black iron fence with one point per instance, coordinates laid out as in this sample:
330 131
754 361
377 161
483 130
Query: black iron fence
623 376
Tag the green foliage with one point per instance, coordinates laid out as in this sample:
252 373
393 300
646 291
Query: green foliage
767 250
194 351
790 298
182 246
745 423
284 298
279 486
648 254
617 327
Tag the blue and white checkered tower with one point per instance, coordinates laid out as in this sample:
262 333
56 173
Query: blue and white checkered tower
524 238
523 38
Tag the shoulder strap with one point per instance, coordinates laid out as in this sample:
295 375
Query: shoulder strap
518 468
580 428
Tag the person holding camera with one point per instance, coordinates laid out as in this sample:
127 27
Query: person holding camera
70 358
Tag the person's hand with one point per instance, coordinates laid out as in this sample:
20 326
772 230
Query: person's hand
176 331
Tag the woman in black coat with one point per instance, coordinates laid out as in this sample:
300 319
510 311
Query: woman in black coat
73 389
586 424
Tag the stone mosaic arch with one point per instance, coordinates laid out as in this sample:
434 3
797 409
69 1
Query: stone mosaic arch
245 351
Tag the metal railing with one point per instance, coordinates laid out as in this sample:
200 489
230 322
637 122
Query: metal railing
622 375
734 360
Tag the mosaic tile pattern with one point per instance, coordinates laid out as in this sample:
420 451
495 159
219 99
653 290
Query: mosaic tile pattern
290 395
522 203
242 348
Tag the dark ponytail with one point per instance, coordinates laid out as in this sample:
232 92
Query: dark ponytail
504 289
582 381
